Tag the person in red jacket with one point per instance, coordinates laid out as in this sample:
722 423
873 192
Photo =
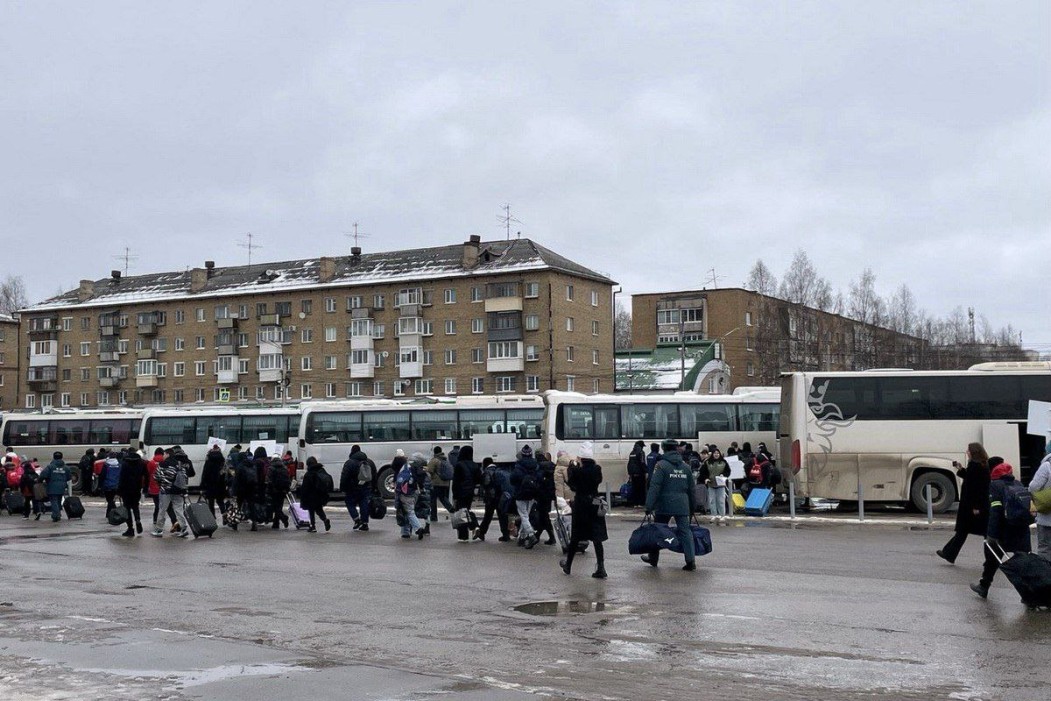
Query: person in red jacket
153 491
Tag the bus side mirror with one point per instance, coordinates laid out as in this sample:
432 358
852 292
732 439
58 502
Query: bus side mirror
302 443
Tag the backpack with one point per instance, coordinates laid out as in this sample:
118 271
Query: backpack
1017 501
775 476
445 470
325 480
704 472
528 488
755 473
181 481
112 474
404 482
364 472
280 482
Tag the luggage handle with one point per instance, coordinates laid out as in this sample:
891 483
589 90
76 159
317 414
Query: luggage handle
999 558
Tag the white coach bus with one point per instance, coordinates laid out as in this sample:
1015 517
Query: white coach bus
70 432
329 430
896 431
613 422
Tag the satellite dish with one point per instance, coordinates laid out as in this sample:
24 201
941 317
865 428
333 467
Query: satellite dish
302 315
384 354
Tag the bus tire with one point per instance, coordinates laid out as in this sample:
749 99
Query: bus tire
74 479
943 492
385 482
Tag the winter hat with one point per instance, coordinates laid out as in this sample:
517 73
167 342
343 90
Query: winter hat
399 453
670 444
312 461
1001 470
157 451
527 451
587 450
57 455
418 460
437 450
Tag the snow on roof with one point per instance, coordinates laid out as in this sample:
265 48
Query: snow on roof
413 265
7 318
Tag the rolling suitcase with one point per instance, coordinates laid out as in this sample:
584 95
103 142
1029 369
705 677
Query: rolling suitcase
300 517
201 520
564 534
738 503
758 502
14 501
73 506
1029 573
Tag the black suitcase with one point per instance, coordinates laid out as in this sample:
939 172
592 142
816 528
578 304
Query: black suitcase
73 506
14 501
1030 574
201 520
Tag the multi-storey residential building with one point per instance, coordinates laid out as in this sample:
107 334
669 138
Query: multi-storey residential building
758 337
9 362
477 318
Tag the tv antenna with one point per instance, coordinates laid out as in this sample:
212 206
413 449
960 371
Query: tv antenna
127 257
249 244
713 279
356 235
507 220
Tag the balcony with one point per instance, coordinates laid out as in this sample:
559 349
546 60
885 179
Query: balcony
43 379
227 323
270 375
227 349
109 357
360 313
411 370
362 370
109 381
269 319
410 310
43 327
503 304
146 381
227 377
109 330
505 364
148 329
42 360
146 354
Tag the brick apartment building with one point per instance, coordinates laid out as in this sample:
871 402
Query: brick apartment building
758 337
9 357
474 318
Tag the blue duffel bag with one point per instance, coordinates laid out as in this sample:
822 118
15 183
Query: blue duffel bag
652 536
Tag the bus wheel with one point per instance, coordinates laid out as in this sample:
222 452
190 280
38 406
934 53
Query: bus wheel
943 492
74 479
385 480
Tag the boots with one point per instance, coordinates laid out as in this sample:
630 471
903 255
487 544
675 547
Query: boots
981 590
600 573
564 564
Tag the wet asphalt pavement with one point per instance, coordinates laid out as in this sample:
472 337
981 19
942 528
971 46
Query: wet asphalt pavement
816 610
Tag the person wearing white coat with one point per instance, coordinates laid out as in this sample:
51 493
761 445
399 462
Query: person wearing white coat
1042 480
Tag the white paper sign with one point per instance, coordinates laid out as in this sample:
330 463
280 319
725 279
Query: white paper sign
1039 418
221 442
736 467
270 447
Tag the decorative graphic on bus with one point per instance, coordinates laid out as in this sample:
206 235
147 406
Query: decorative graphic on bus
829 419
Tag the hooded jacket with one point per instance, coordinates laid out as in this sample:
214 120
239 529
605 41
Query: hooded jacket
671 487
348 477
466 474
56 477
213 481
110 477
132 478
1042 480
525 478
1013 537
561 478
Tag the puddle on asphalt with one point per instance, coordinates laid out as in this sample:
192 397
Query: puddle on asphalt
561 608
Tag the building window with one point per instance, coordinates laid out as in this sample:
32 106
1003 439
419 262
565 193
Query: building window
306 363
477 385
748 341
531 353
242 393
330 390
450 296
503 349
122 346
569 293
450 385
67 325
242 340
85 323
260 392
354 302
594 298
596 385
667 316
450 327
198 314
306 335
409 354
330 304
748 318
283 308
67 374
569 354
260 309
306 391
450 356
358 357
424 387
242 366
102 398
750 369
505 383
477 355
569 323
354 389
222 311
85 374
532 289
30 401
379 330
476 294
242 311
377 302
532 322
180 344
594 357
477 325
85 348
377 388
200 343
179 369
198 368
330 334
571 383
306 306
594 328
408 296
198 394
67 350
532 383
330 362
428 357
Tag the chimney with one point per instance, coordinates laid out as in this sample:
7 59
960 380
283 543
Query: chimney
326 269
470 252
198 279
209 266
87 288
114 277
355 254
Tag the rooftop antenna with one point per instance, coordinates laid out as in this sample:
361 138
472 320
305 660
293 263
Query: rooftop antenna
713 279
507 220
250 244
127 257
356 235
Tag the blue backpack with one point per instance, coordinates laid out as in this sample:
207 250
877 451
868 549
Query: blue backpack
1017 501
404 482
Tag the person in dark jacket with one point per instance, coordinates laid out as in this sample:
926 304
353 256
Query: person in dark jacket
651 460
545 497
1001 534
133 480
525 478
313 494
109 478
243 489
56 476
28 479
671 494
87 471
466 476
213 480
973 514
584 479
637 474
496 493
357 481
278 484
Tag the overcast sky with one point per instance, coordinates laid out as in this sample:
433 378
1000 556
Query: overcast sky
650 141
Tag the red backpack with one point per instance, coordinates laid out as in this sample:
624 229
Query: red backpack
755 473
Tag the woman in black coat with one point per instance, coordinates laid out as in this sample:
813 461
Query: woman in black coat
213 480
584 479
313 494
973 514
130 485
466 475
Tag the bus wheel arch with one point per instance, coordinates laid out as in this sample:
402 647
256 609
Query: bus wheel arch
943 489
385 482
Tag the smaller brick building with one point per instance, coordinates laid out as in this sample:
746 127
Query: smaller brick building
9 362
